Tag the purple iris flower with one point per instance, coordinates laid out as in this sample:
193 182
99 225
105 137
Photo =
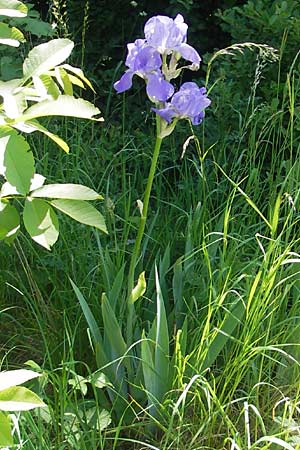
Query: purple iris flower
145 61
188 103
167 35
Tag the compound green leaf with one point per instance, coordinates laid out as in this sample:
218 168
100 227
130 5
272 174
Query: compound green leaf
12 8
16 161
41 222
9 225
81 211
46 56
66 191
6 439
19 398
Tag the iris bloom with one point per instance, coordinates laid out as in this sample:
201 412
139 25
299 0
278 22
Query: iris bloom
145 61
188 103
167 36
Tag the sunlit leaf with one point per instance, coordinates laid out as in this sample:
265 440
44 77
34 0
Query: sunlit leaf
81 211
16 161
65 105
19 398
10 35
9 226
12 378
5 431
41 222
34 125
66 191
46 56
13 8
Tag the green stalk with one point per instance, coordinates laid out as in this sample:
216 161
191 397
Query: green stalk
136 250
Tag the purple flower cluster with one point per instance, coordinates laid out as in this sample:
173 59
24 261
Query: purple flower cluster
155 59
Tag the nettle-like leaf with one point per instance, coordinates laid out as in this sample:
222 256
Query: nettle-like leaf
41 222
19 398
9 226
10 35
66 191
16 161
81 211
46 56
13 8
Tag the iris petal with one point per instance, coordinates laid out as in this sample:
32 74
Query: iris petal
158 89
125 82
189 53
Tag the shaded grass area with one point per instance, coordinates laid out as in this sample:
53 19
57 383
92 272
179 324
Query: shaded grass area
223 231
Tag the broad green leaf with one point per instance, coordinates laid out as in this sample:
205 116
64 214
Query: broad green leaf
16 161
36 182
50 85
63 79
41 222
79 74
12 378
81 211
66 191
34 125
10 35
19 398
6 439
13 103
12 8
46 56
110 323
9 225
139 289
65 105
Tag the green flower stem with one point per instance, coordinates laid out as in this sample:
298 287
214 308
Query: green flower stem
141 229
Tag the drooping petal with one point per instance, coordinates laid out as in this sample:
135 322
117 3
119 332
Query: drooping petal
188 103
196 120
147 60
166 113
125 82
190 54
158 89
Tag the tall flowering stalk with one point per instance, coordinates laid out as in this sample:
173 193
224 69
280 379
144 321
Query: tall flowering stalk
156 59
